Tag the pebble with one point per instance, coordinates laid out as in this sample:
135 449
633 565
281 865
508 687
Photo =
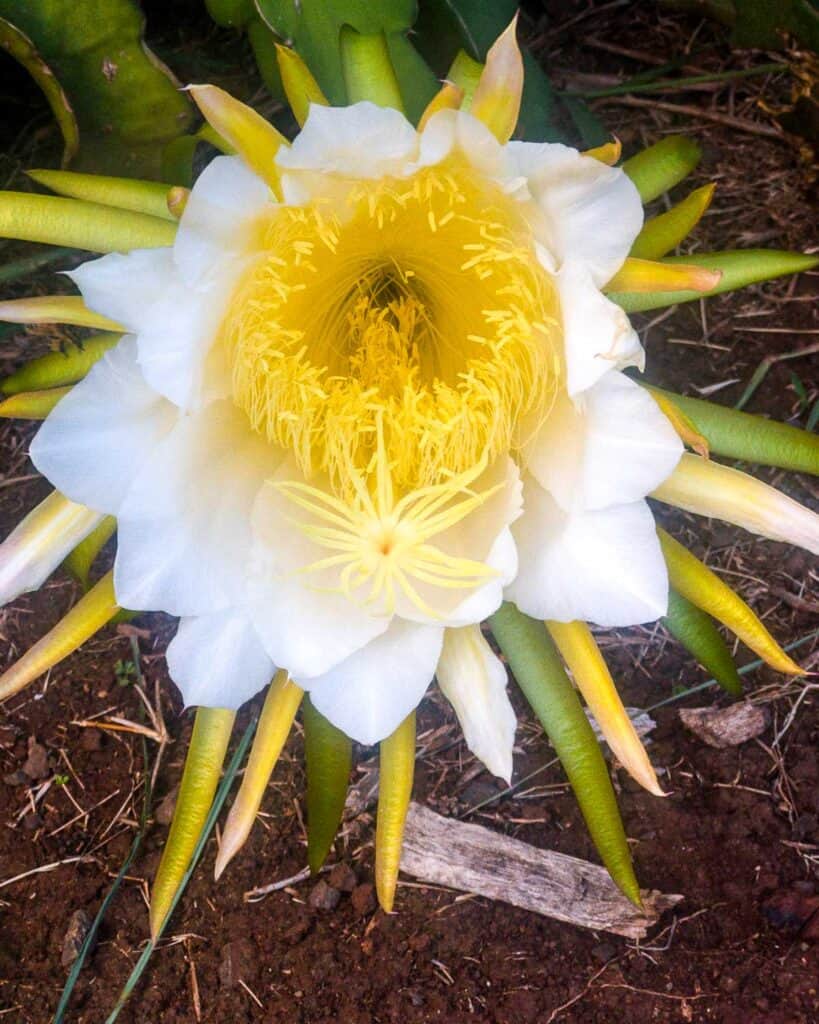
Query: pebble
323 896
79 925
363 899
36 764
342 877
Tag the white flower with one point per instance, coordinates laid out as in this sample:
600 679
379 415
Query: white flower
343 421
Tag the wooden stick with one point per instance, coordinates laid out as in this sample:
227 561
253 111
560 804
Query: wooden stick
476 860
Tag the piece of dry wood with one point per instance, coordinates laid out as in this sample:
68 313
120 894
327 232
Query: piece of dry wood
476 860
726 727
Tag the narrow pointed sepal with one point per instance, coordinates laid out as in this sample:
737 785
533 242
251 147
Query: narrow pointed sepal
203 767
55 309
149 197
70 364
38 544
177 200
741 435
663 233
79 561
79 224
87 616
662 166
396 771
707 488
609 153
280 707
465 73
638 275
696 631
31 405
739 268
686 431
448 97
256 140
300 86
498 94
368 70
580 652
539 672
328 755
703 588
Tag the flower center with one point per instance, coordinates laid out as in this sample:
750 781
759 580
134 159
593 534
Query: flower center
412 307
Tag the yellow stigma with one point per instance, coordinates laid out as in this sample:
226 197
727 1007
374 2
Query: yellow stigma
411 308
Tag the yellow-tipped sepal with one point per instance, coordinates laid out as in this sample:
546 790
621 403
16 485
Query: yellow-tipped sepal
149 197
87 616
38 544
32 405
663 233
706 590
497 97
300 86
280 707
650 276
609 153
580 652
55 309
396 771
255 140
707 488
448 97
70 364
203 767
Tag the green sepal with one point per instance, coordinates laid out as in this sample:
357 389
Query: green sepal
80 560
537 667
368 70
740 267
662 166
663 233
741 435
328 753
67 366
699 635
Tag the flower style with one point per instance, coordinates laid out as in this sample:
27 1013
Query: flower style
369 389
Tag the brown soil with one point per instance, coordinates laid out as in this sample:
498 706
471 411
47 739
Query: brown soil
738 835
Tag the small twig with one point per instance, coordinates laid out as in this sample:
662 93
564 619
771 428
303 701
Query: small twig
740 124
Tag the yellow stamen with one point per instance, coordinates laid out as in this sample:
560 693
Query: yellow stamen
280 707
593 679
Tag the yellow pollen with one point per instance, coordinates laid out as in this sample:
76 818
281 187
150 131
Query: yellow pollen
415 303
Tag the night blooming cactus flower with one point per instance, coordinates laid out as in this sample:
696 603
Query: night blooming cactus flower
368 394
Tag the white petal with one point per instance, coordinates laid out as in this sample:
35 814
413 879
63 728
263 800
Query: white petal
589 213
457 131
611 446
216 227
98 437
604 567
306 627
124 286
473 679
184 527
372 692
217 660
38 544
359 141
597 334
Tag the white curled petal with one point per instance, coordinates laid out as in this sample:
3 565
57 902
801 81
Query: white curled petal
369 694
473 679
124 286
218 221
611 446
604 566
99 436
306 625
359 141
597 334
184 527
587 212
456 131
217 660
38 544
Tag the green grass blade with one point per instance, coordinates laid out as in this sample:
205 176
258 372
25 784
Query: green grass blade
210 821
698 634
741 435
329 756
539 672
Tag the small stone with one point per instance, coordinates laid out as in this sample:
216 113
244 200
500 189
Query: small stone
726 727
90 739
342 877
163 813
363 899
323 896
79 925
36 765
